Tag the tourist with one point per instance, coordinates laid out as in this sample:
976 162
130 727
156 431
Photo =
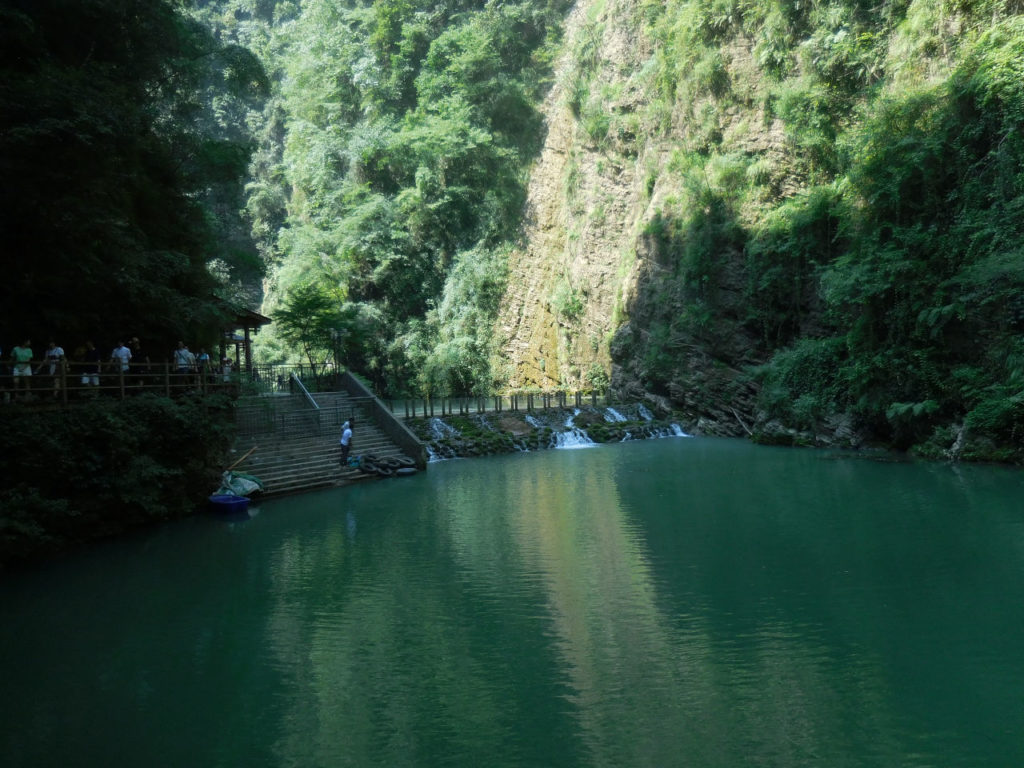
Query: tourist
121 357
346 440
203 362
91 371
21 357
140 360
54 365
184 360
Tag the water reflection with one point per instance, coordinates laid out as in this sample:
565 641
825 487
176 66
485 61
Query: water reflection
680 603
652 683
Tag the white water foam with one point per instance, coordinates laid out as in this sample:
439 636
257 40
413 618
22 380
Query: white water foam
573 437
439 429
611 415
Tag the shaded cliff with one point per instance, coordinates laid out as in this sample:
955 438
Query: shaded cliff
799 223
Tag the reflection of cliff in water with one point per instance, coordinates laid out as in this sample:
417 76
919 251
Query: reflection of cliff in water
509 613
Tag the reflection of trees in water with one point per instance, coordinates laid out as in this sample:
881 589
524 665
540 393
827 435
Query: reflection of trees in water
518 620
376 667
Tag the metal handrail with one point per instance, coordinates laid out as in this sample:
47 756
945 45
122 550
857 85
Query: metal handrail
305 391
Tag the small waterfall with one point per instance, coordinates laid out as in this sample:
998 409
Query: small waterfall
644 413
532 421
573 437
441 430
678 432
611 415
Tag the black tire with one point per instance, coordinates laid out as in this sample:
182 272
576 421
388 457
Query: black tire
389 462
405 471
405 462
385 471
368 467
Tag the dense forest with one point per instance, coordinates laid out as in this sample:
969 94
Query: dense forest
823 231
831 233
125 144
391 176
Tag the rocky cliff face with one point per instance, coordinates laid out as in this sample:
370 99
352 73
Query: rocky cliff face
590 283
575 263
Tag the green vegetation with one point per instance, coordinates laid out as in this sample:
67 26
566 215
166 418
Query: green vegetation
878 246
836 190
78 475
393 178
124 147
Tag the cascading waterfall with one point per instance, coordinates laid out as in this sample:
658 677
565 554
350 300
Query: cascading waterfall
573 436
441 430
612 416
551 429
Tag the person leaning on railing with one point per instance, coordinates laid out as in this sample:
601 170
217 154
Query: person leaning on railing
54 365
91 371
121 357
21 358
140 361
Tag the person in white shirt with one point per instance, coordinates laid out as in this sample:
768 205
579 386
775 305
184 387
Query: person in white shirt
346 440
184 360
121 356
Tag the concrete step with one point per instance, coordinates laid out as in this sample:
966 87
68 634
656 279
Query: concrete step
296 446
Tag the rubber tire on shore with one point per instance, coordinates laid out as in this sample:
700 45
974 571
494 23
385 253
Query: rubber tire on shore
405 462
367 467
385 471
403 471
388 462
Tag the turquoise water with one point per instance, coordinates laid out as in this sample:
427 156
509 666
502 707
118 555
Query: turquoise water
677 602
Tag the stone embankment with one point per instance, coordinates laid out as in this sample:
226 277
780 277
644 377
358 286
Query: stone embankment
486 434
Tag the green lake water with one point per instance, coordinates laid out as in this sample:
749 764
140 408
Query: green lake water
676 602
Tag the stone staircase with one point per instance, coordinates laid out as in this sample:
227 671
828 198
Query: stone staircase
296 445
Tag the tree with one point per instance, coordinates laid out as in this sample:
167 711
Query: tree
118 180
310 318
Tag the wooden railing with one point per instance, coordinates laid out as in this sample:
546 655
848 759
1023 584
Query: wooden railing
74 381
77 381
445 405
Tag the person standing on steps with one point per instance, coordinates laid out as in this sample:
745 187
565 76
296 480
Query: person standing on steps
346 440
